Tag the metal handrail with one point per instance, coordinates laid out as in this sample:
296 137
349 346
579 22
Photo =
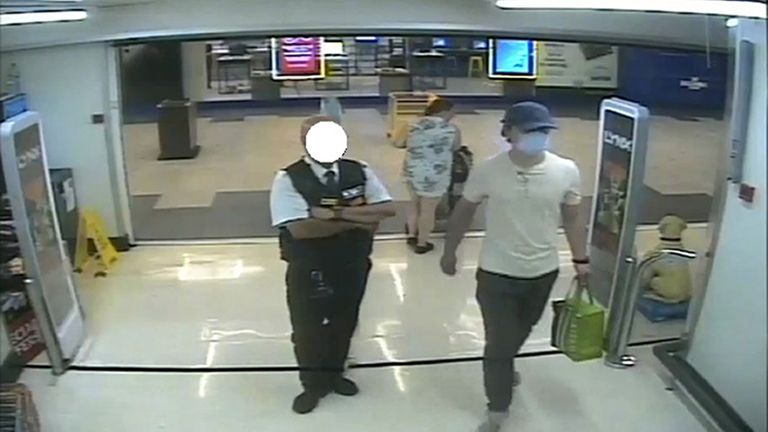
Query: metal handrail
621 320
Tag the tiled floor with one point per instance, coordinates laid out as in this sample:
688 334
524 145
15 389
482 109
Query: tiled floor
243 156
556 395
223 306
220 306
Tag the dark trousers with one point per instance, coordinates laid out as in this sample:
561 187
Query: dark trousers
510 307
324 303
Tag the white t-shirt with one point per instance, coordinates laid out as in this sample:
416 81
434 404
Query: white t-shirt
523 212
287 205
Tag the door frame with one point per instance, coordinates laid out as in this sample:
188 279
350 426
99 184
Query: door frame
113 131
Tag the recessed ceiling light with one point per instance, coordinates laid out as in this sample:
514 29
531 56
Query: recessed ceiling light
17 18
749 9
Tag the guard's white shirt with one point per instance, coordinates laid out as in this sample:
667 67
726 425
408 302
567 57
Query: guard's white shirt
523 212
287 204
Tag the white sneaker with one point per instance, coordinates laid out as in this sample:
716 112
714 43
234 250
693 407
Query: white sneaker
493 422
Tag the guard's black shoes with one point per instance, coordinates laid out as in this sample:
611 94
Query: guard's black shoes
306 402
345 387
422 249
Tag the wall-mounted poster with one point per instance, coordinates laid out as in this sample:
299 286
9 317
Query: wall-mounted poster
297 58
564 64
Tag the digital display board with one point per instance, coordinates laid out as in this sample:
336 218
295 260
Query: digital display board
439 42
511 58
298 58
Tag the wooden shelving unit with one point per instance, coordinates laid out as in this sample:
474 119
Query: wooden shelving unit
336 73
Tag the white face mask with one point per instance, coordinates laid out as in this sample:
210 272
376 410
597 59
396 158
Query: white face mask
533 143
502 143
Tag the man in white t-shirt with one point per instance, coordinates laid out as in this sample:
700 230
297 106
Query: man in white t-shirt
528 191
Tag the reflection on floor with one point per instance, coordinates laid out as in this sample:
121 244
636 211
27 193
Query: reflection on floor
556 395
221 306
241 152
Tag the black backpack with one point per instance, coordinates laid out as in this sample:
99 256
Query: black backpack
462 164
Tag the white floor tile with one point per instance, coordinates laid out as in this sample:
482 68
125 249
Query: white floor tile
225 306
556 395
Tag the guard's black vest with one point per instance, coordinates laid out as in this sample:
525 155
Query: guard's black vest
347 246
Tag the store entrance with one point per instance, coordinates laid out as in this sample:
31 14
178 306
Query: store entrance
208 123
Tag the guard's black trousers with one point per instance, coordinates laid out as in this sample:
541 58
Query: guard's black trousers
324 304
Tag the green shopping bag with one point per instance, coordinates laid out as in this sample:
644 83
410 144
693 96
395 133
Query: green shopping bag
578 325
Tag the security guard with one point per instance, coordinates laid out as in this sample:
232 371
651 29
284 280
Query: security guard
326 209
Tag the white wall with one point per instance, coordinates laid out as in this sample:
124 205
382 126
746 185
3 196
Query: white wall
67 84
206 17
729 343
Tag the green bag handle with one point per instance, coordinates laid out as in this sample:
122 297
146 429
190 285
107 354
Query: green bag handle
577 289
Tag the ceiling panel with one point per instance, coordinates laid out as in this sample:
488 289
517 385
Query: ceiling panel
187 19
38 4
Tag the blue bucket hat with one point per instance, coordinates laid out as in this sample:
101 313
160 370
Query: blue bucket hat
528 117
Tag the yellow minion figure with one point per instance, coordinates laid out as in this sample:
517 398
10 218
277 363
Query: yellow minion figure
669 279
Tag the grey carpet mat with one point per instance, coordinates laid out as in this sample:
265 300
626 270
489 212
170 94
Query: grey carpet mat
227 116
246 215
685 118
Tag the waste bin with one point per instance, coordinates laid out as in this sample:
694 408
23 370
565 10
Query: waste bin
519 89
177 129
263 87
393 80
67 213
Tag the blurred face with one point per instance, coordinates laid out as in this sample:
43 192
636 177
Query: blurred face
307 125
324 140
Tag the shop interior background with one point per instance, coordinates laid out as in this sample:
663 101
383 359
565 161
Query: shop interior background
246 123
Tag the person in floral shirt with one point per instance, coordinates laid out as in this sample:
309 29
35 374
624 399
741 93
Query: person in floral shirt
427 169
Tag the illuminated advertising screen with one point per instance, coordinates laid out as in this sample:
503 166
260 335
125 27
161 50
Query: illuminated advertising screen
51 287
623 135
298 58
612 181
42 225
511 58
439 42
